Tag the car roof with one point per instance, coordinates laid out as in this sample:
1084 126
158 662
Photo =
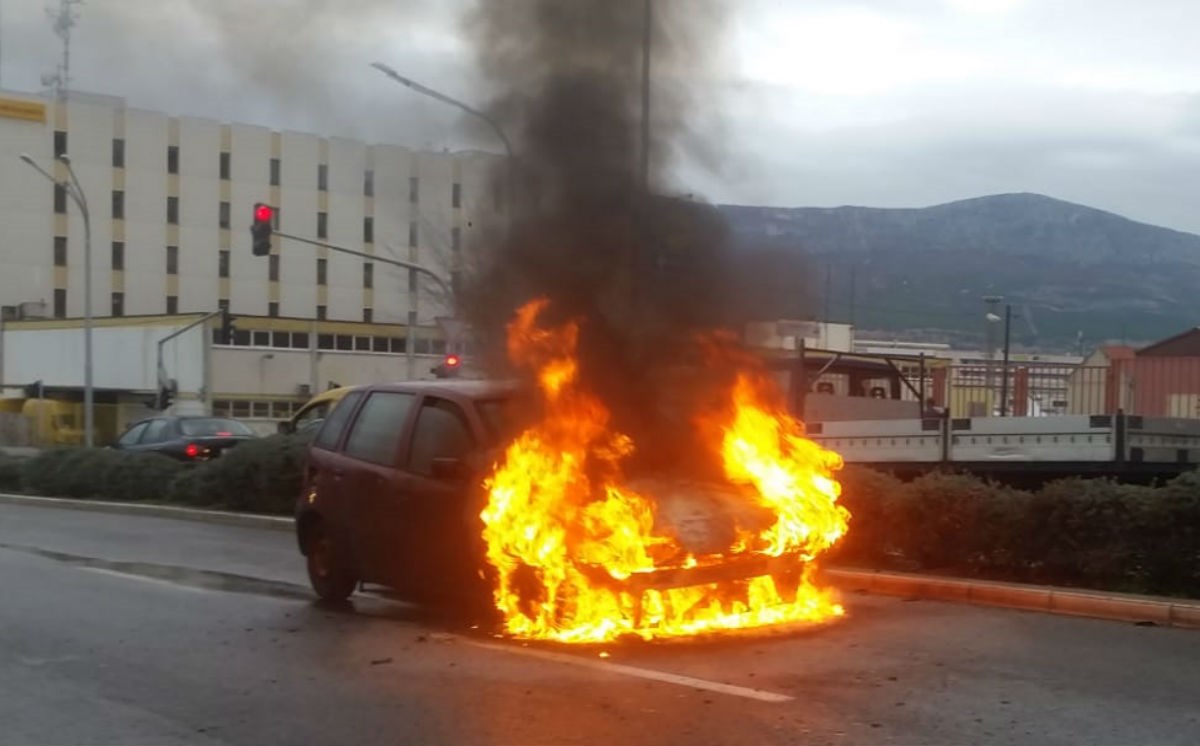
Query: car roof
471 389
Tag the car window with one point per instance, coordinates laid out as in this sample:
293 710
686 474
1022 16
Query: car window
156 432
441 432
131 436
375 436
331 429
197 427
312 416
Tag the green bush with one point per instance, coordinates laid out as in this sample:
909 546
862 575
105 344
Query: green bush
98 473
261 476
10 473
871 498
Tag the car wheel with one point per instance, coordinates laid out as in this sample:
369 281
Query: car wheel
327 573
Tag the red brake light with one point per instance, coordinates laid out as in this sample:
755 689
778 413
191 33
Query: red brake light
263 213
223 434
453 361
192 450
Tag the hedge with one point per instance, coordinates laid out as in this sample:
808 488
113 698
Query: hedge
1092 533
261 476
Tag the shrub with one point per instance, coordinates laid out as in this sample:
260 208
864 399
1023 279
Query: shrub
870 496
262 476
98 472
10 473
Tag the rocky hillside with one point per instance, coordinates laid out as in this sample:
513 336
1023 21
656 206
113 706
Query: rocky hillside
1066 268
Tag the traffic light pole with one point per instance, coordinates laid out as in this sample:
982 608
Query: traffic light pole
442 284
162 367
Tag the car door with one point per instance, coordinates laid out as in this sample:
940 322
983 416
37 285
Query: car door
155 436
441 494
325 477
374 485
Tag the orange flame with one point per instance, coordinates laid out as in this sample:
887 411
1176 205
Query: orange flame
582 557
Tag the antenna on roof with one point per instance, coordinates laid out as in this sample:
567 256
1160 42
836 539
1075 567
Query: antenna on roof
62 20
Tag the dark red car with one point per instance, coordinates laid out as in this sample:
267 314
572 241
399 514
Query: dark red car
391 487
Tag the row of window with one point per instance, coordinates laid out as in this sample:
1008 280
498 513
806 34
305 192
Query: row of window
242 409
275 167
332 342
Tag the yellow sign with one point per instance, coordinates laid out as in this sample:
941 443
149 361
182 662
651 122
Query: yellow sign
15 108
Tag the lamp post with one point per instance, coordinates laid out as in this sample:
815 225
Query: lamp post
427 91
73 189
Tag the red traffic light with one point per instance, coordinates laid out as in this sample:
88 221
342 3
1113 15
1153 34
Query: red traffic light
263 213
452 361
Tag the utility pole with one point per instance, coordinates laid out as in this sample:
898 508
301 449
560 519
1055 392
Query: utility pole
1004 369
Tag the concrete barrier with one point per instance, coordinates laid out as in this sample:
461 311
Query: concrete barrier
1125 607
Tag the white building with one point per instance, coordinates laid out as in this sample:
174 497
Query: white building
170 203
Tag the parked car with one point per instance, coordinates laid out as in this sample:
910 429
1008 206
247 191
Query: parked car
391 487
308 419
187 438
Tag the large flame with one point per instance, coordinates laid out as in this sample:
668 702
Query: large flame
579 555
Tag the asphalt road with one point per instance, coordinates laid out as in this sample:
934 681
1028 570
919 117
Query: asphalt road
130 630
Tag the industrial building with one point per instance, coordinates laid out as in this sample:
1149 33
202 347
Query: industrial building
169 205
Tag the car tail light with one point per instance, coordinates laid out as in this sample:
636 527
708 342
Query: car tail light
192 450
224 434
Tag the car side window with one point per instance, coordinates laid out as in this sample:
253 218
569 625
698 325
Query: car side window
156 431
375 435
132 434
312 416
331 430
441 431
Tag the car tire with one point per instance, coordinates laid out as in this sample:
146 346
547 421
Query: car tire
327 572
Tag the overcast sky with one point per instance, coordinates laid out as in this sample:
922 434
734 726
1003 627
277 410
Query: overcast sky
877 102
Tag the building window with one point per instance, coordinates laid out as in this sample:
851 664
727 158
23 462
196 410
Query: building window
118 205
225 166
118 304
60 303
412 234
322 177
60 143
368 275
60 251
322 271
456 195
322 225
369 183
414 190
321 313
273 268
172 305
223 263
275 172
369 230
172 260
223 215
118 255
412 286
172 159
118 153
173 210
456 239
368 315
223 303
60 200
273 309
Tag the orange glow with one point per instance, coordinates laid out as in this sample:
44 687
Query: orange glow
583 557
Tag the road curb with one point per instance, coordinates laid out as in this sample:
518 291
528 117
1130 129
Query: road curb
223 517
1166 612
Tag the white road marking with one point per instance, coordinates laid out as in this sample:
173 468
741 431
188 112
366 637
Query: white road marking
642 673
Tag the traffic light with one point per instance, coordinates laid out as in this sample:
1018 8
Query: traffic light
449 367
225 331
166 394
260 230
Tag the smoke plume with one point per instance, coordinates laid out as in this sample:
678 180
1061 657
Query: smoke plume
646 274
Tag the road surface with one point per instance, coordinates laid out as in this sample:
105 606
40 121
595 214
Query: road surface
134 630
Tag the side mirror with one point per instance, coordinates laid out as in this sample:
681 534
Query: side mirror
449 468
284 428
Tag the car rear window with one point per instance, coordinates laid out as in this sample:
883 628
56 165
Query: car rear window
331 430
212 426
375 436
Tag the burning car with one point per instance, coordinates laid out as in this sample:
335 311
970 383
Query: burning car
429 488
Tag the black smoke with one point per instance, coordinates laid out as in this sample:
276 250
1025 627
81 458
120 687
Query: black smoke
645 272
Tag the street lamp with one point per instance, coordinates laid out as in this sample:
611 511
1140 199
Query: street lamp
73 189
427 91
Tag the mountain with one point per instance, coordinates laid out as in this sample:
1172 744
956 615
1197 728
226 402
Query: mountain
1069 271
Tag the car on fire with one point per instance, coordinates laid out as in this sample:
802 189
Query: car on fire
392 495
